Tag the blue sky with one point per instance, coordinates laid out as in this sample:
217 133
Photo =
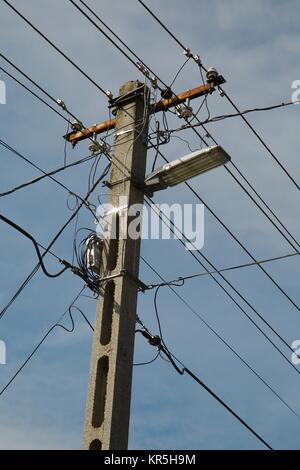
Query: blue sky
255 45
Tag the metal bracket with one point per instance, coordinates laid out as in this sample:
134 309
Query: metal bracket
127 97
141 286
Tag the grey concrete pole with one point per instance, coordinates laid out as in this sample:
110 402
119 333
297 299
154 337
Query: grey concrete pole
109 392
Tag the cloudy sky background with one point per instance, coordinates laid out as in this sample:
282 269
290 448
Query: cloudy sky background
255 45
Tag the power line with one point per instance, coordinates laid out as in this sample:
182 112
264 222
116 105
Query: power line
56 48
49 174
228 98
184 369
262 142
276 284
204 128
234 289
46 175
236 292
58 102
231 268
36 268
35 244
56 325
250 196
222 117
244 189
231 348
163 26
33 93
101 30
33 82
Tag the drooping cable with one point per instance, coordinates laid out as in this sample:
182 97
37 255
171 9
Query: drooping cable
57 324
184 369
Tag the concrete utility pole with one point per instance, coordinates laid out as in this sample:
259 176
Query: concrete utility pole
109 393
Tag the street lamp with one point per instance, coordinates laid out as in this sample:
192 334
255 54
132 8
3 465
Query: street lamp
186 167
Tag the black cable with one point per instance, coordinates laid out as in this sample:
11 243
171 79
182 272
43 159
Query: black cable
100 29
18 154
170 356
231 268
148 362
56 48
202 139
30 237
171 285
262 141
163 26
56 325
148 68
62 105
228 116
33 93
157 145
194 115
46 175
241 296
179 71
33 82
227 97
36 268
232 298
231 348
216 397
238 241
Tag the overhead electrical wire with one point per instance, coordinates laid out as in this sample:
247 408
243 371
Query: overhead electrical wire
275 283
222 117
33 93
35 244
56 48
236 291
62 229
171 286
287 296
33 82
46 175
57 324
230 268
288 174
276 159
200 382
235 166
49 174
58 102
122 42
